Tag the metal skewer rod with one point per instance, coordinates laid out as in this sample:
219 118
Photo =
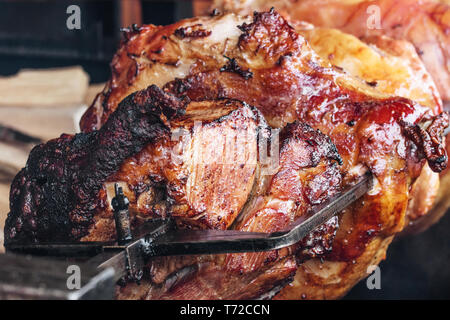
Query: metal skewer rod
182 242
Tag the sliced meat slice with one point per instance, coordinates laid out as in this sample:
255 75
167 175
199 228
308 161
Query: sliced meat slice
307 175
204 172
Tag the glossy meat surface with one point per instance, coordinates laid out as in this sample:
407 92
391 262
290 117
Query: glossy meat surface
268 57
425 24
392 67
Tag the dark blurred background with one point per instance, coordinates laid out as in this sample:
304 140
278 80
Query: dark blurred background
33 34
416 267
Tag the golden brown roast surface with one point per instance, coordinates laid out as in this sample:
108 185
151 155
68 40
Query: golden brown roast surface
424 23
203 65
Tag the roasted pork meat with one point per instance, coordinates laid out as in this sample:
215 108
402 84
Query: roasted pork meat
423 23
211 69
392 67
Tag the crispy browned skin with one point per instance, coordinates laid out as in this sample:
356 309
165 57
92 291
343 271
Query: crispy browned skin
65 181
388 65
55 196
393 67
425 24
270 66
215 174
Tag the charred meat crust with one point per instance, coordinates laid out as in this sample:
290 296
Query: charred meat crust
124 69
424 24
195 31
429 141
55 196
233 66
320 143
288 83
131 31
319 242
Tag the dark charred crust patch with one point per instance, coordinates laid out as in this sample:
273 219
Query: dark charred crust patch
284 58
319 242
131 31
321 143
178 86
215 12
245 27
372 83
233 66
194 31
429 141
269 25
55 197
259 17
